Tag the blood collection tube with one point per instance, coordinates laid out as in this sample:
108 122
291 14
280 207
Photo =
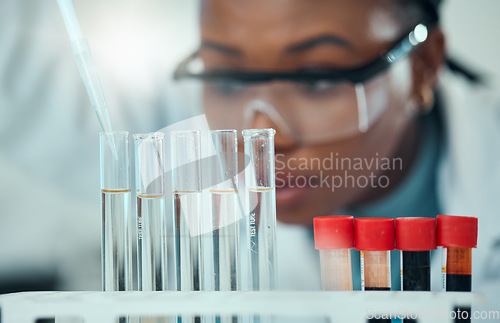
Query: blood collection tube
116 226
457 235
151 238
334 238
415 237
260 182
374 238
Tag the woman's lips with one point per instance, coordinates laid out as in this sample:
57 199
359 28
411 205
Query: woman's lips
287 196
290 195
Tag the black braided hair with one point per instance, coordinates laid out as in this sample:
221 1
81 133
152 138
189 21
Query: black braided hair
429 11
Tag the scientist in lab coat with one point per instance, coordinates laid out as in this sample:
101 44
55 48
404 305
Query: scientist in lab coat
372 119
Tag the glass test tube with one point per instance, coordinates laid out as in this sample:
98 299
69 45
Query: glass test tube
374 238
151 248
457 235
186 179
334 238
226 212
115 198
260 182
226 216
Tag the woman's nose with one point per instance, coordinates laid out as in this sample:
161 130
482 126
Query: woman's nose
262 115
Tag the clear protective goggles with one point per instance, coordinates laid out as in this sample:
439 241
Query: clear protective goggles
309 106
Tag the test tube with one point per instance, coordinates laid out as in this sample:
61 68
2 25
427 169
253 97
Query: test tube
415 237
186 179
226 213
457 235
334 238
115 198
151 240
374 238
260 182
226 216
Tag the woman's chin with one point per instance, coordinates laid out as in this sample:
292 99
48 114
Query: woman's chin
300 206
289 198
300 214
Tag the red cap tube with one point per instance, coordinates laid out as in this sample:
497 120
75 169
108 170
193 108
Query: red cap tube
416 234
456 231
333 232
374 234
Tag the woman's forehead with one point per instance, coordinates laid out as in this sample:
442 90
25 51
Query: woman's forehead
289 27
289 18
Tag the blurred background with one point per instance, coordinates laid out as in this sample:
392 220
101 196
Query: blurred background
49 151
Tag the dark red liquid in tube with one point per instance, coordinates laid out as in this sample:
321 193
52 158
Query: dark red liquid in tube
457 235
415 237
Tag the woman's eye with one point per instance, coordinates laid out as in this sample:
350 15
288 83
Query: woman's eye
226 87
319 87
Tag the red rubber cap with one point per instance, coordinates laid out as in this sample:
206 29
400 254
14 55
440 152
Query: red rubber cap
415 234
456 231
374 234
334 232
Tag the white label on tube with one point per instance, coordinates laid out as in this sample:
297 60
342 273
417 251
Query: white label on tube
443 267
362 264
401 266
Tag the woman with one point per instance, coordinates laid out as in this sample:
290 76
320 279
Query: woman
367 121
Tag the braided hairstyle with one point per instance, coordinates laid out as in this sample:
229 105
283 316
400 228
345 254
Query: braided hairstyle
414 11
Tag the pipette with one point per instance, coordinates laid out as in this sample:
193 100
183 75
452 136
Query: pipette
86 66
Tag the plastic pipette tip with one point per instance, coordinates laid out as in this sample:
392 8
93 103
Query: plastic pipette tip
87 69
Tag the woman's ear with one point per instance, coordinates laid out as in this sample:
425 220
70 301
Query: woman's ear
427 61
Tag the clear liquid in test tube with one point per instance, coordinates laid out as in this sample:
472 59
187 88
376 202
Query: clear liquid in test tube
226 212
116 224
261 208
151 237
186 173
226 216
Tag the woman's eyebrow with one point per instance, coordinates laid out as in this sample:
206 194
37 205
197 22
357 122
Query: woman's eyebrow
319 41
220 48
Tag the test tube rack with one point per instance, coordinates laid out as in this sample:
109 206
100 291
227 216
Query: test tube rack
106 307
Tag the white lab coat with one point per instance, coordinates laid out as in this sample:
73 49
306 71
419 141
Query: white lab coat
469 175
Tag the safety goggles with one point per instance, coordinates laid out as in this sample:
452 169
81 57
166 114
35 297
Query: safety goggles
309 105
